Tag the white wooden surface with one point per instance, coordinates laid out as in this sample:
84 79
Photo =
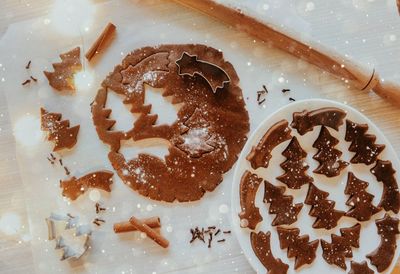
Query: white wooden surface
15 253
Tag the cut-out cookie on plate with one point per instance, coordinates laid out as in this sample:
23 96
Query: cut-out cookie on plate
295 167
250 215
340 247
360 268
363 144
384 172
323 209
297 246
328 157
306 120
260 155
281 205
360 200
388 228
261 244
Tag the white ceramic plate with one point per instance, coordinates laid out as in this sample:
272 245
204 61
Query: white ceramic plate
369 239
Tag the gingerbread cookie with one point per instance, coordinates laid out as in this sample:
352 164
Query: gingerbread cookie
306 120
295 166
340 247
297 246
250 215
281 205
206 138
363 144
360 268
323 209
260 155
388 228
328 157
59 131
74 187
384 172
63 76
260 242
360 200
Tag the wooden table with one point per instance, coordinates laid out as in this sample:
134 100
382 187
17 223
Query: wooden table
15 253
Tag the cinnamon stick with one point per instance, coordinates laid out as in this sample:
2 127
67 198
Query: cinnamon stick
100 41
151 233
153 222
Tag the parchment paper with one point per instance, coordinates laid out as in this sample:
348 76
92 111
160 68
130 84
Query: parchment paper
147 23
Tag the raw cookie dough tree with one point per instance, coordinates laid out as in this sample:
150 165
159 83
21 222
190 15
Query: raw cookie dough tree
297 246
281 205
323 209
59 131
328 157
295 167
341 246
363 144
360 200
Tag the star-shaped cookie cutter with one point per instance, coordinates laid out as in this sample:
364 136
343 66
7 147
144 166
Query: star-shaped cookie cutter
190 65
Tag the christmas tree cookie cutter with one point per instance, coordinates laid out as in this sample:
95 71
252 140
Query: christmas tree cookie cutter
70 237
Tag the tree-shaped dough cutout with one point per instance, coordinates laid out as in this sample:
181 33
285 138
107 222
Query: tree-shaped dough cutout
363 144
297 246
197 138
323 209
360 200
281 205
261 244
295 167
340 247
59 131
328 157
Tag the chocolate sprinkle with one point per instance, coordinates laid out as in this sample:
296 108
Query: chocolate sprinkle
292 99
34 79
285 90
221 241
28 65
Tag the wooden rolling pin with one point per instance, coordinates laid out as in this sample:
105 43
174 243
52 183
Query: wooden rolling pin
339 66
